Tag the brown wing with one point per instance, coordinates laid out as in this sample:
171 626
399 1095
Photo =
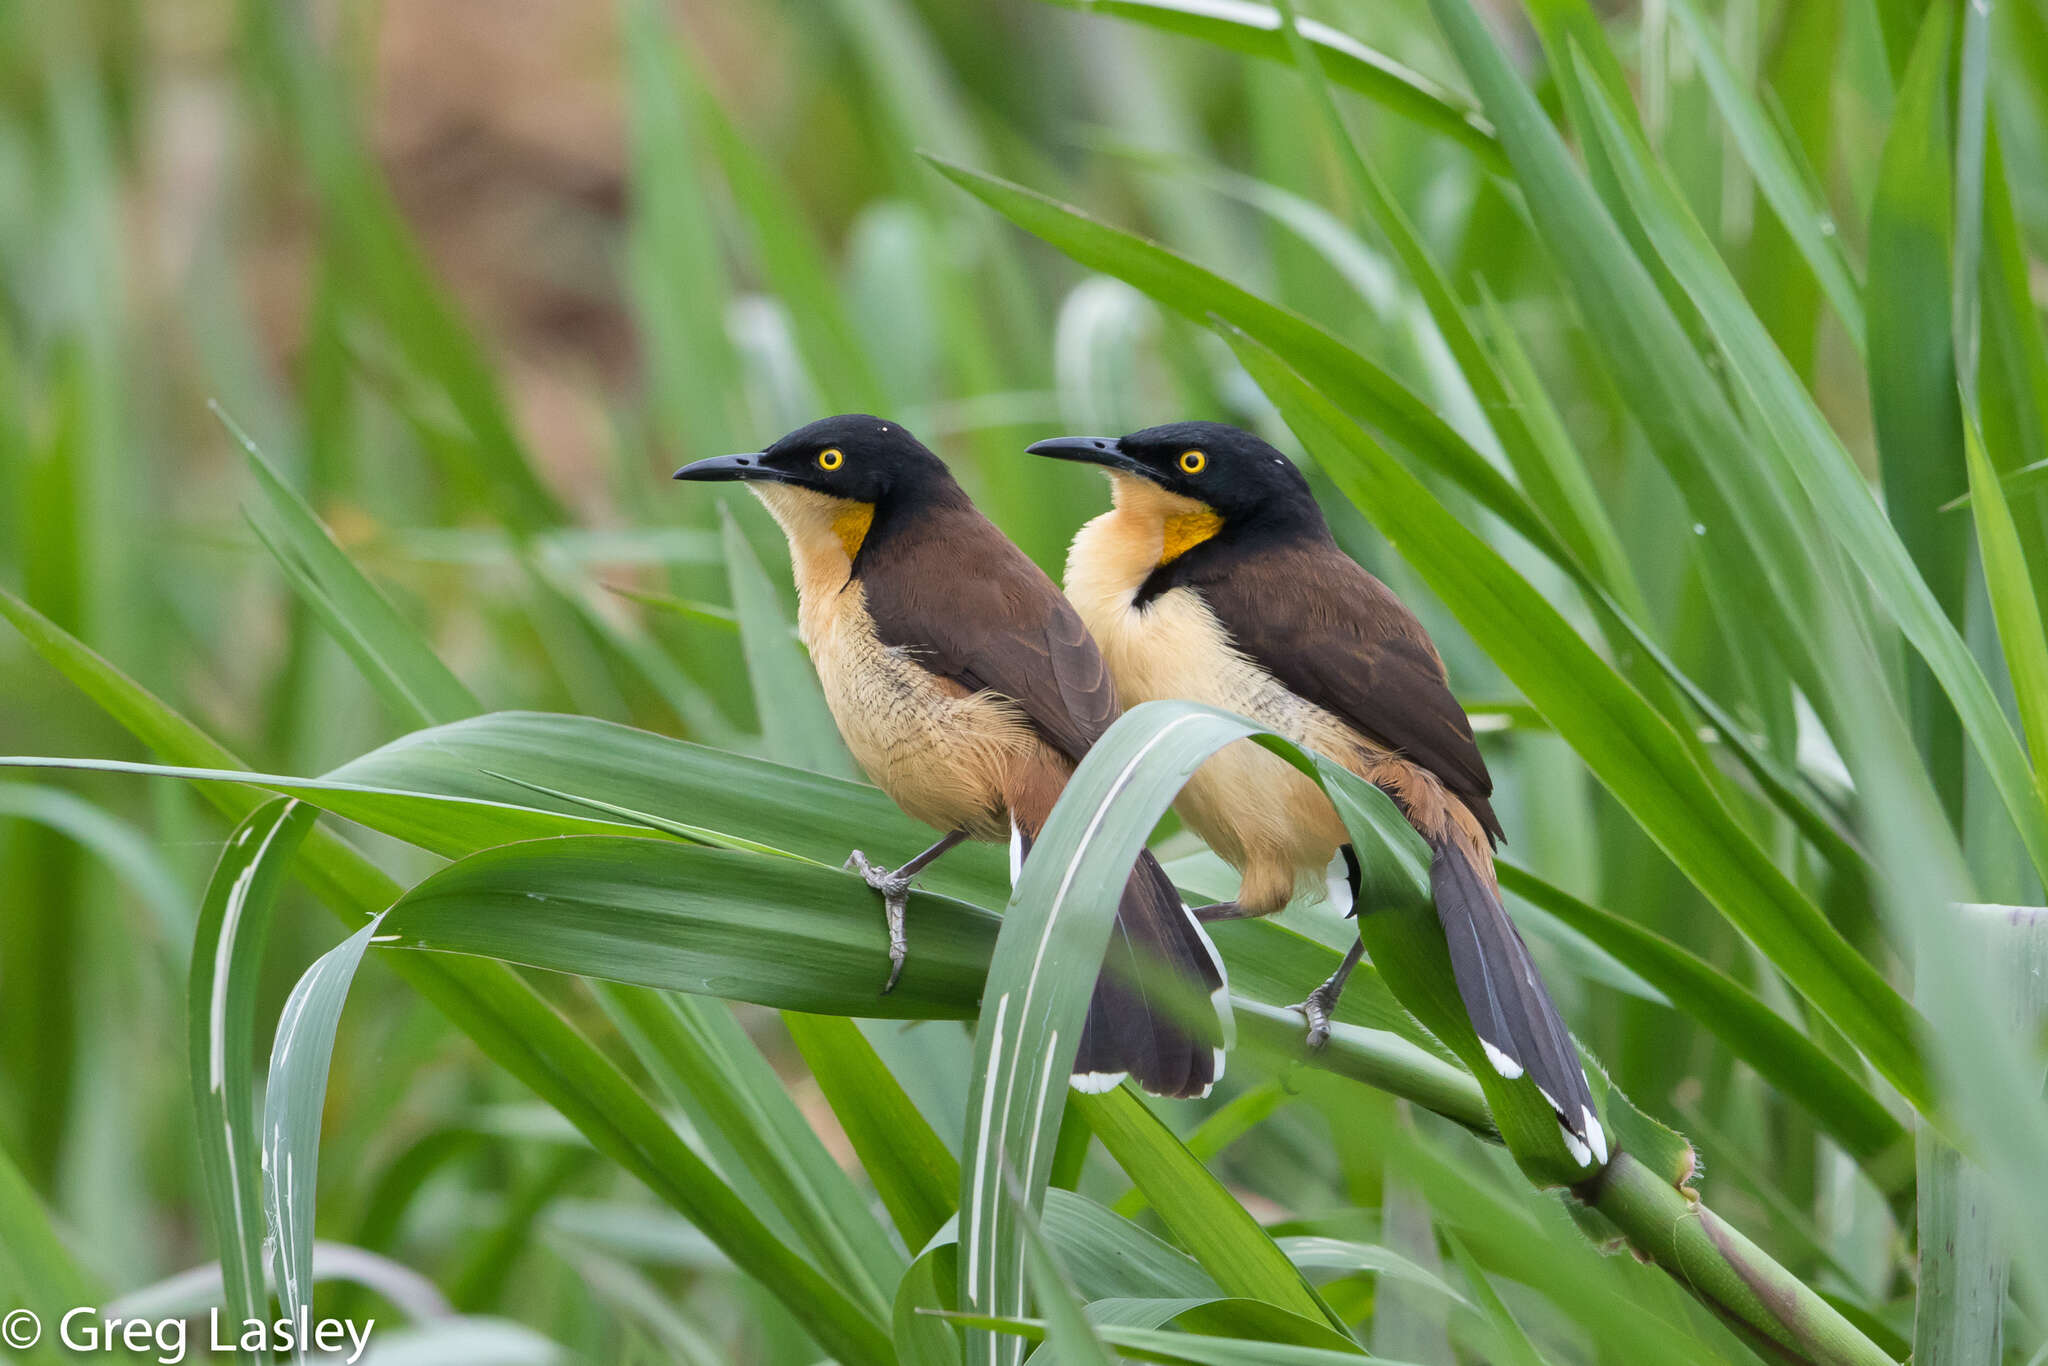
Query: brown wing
975 609
1337 636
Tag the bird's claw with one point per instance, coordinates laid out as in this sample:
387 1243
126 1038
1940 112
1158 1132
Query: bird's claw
895 890
1316 1010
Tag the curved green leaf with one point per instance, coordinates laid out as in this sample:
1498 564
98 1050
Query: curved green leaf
1254 30
227 960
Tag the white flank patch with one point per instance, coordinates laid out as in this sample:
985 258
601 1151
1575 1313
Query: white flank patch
1580 1153
1337 878
1506 1065
1095 1083
1016 854
1595 1134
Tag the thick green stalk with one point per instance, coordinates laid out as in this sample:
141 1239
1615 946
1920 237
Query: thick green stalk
1702 1252
1726 1271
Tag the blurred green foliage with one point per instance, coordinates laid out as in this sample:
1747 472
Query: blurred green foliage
1646 307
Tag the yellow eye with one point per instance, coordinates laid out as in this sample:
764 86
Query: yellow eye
830 458
1192 462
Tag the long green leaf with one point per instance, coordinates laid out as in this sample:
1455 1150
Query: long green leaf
511 1023
709 1067
1806 222
1913 403
227 958
1226 1240
2013 605
1254 30
1815 456
915 1174
1793 1063
421 689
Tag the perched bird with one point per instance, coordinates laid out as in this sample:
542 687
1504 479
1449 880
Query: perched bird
1214 578
968 689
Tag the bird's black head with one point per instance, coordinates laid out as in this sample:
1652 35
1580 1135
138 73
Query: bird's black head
1231 472
855 457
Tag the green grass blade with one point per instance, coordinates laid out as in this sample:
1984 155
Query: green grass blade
1913 400
292 1114
659 913
1806 222
1844 507
37 1271
1781 1053
512 1025
707 1065
227 957
1254 30
2013 378
915 1174
1227 1241
1623 741
388 649
2011 583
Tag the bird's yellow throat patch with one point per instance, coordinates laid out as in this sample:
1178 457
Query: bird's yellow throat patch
850 524
1186 530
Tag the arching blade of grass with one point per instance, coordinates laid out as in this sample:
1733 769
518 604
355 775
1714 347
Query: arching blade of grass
420 689
1793 1063
295 1097
709 1068
1914 408
1227 1241
1254 30
509 1022
1627 746
1809 449
914 1172
234 923
1806 221
1127 780
2011 585
37 1272
1268 960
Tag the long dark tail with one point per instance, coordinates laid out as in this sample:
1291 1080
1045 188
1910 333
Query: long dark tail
1506 1000
1159 1010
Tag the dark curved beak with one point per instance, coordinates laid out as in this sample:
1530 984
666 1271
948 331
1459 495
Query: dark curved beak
725 468
1091 450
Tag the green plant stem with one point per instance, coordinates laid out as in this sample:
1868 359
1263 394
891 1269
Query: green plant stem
1696 1247
1726 1271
